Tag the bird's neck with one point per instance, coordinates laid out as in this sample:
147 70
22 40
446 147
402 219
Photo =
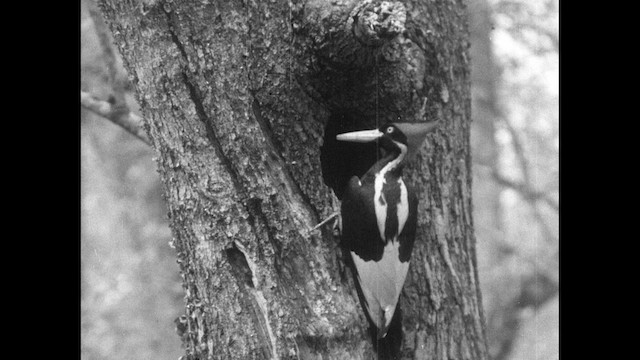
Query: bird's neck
390 164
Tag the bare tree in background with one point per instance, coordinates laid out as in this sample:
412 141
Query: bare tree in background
236 97
131 287
509 291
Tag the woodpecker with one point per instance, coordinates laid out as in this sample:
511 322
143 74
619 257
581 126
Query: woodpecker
379 216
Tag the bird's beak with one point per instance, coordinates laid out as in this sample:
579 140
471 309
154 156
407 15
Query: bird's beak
362 136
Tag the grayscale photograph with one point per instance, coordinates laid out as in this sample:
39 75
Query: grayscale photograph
319 179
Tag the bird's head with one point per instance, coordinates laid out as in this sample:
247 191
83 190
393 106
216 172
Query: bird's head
391 135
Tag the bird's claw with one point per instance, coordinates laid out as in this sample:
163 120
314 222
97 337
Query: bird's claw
337 226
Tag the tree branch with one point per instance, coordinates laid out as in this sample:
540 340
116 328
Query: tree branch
119 115
526 191
536 290
116 108
117 80
546 230
526 187
518 147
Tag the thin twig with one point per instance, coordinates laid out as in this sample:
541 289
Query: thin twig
518 147
536 291
337 213
125 119
117 80
526 191
546 230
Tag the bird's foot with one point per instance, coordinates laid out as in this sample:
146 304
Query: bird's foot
337 226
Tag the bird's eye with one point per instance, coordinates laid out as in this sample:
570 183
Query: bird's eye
389 130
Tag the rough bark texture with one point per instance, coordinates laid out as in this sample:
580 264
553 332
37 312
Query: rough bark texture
237 95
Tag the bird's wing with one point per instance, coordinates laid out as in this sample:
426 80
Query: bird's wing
359 226
380 273
381 282
408 234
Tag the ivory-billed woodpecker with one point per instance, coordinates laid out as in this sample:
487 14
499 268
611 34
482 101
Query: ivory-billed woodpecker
379 216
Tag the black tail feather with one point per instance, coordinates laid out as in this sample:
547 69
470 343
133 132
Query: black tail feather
388 347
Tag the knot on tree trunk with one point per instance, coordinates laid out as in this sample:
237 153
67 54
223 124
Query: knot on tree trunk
358 58
352 34
375 23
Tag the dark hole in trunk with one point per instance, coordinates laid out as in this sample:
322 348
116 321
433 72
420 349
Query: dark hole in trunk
341 160
240 266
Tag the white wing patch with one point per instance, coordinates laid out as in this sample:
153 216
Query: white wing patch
381 283
380 206
403 206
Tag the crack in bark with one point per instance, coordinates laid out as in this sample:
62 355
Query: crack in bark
211 135
244 274
202 115
252 206
269 136
194 94
270 140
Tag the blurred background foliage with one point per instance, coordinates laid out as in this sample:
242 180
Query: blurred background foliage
130 286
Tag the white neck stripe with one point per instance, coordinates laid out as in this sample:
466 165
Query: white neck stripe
392 164
380 209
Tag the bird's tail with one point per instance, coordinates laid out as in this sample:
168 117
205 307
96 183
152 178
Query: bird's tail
387 346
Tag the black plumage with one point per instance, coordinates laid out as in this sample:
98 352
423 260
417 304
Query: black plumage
379 218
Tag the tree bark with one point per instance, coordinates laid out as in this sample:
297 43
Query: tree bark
236 96
484 78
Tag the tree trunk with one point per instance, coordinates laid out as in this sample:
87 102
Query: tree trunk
486 191
484 78
236 97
